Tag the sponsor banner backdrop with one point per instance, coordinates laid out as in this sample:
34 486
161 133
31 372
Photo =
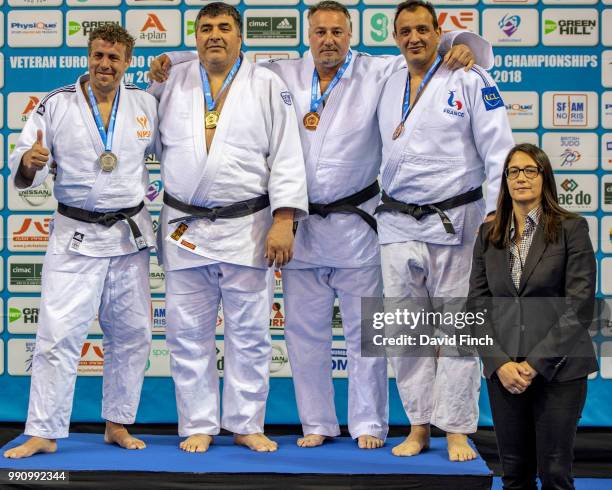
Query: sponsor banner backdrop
553 66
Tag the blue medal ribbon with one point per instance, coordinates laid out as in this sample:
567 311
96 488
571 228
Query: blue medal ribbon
406 105
316 102
210 102
107 136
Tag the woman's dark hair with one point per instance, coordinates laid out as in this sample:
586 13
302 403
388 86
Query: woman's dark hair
552 213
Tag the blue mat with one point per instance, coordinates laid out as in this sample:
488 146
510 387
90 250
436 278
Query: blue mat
88 452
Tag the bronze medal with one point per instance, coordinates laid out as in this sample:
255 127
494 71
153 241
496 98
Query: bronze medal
211 120
108 161
311 120
398 131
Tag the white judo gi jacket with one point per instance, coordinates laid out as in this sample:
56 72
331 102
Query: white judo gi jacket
80 182
343 155
255 150
455 139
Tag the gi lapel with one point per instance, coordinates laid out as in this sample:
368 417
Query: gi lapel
103 178
414 117
328 112
538 245
230 107
88 118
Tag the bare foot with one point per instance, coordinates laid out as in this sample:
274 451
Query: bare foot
117 434
256 442
311 440
458 448
369 442
197 443
416 442
32 446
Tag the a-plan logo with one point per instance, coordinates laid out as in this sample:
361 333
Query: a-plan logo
509 24
464 19
153 30
30 106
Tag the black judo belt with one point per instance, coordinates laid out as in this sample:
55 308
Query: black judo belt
107 219
236 210
349 205
418 211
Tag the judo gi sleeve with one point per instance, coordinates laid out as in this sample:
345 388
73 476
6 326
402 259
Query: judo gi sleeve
287 184
490 128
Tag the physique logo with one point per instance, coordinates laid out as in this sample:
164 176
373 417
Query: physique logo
509 24
569 157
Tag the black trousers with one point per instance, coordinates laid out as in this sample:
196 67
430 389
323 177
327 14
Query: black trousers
535 431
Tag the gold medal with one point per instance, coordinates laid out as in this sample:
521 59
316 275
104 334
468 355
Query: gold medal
108 161
398 131
311 120
211 120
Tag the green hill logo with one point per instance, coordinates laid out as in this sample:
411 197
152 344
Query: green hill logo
14 314
549 26
73 27
190 27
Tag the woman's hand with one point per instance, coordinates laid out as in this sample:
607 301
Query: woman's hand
514 377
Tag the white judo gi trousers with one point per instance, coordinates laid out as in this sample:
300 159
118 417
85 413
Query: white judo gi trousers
442 391
192 302
309 300
74 288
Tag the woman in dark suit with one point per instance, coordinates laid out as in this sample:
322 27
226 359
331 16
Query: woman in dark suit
538 364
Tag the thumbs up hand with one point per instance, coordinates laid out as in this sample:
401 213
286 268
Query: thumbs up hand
37 156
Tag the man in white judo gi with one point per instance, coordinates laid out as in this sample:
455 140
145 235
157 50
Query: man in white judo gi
336 92
444 134
234 181
98 132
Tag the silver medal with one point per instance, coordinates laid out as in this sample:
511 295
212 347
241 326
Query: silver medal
108 161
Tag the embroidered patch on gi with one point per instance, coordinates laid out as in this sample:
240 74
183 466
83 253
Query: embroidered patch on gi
286 96
41 110
454 105
491 98
178 233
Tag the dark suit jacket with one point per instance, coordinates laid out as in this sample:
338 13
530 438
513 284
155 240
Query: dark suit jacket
550 328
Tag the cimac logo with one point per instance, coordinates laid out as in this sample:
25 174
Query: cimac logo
144 132
30 106
153 30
